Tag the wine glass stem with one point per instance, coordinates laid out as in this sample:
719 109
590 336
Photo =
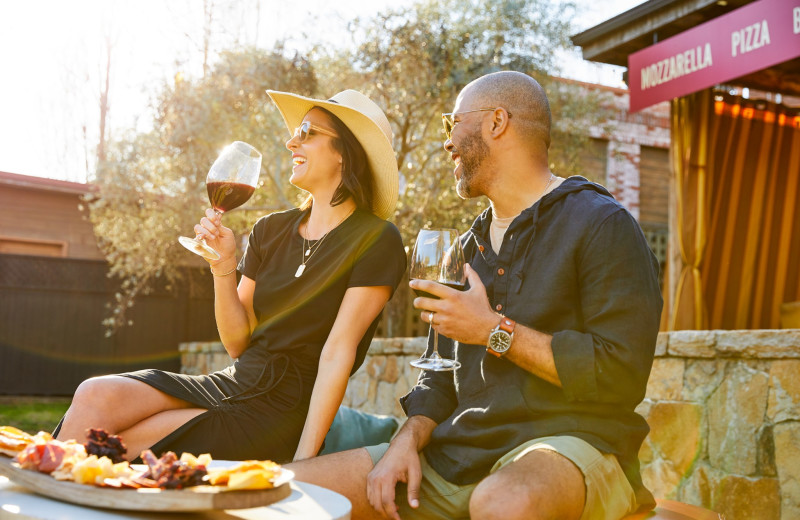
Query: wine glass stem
435 353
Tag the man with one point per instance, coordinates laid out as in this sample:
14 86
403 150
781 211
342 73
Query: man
557 333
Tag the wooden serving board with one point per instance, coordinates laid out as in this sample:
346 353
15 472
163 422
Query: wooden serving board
197 498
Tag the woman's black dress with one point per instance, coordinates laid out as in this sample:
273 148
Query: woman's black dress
257 407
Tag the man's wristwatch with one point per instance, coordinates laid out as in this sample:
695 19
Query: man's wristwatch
501 337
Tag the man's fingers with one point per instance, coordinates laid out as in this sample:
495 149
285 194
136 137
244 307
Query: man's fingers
386 505
427 286
472 276
373 492
390 508
380 495
414 478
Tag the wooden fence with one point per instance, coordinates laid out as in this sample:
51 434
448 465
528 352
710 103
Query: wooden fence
52 337
51 332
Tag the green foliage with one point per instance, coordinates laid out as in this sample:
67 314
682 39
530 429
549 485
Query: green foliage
152 187
413 61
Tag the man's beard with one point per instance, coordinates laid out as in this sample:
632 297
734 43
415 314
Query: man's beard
473 150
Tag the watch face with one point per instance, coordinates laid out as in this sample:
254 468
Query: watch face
500 341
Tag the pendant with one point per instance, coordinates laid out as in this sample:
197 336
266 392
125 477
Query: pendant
300 269
308 252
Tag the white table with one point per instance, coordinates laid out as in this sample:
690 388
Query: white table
307 501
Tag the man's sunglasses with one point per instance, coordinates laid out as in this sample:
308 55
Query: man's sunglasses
448 123
304 130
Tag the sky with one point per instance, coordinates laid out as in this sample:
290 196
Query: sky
52 54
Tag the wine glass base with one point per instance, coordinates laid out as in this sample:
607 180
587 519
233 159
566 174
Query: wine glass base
199 248
437 365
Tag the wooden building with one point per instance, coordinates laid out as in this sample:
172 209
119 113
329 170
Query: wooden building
55 291
631 152
42 217
735 160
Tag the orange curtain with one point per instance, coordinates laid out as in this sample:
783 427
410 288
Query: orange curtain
752 259
691 118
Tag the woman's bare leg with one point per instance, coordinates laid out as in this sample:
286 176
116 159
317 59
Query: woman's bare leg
114 403
147 432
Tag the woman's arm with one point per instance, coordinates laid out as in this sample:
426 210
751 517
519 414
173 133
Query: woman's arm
233 307
359 308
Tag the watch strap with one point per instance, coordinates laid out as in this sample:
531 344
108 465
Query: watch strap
494 352
506 325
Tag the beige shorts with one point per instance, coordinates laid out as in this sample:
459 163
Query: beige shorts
609 495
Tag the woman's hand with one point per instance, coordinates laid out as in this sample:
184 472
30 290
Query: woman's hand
217 236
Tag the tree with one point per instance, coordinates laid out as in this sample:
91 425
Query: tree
415 60
104 102
151 188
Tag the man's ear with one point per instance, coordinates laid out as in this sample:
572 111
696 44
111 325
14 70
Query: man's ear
499 122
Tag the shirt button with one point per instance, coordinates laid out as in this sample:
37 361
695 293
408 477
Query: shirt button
499 307
501 271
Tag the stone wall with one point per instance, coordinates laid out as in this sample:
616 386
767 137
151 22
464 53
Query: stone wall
724 413
723 407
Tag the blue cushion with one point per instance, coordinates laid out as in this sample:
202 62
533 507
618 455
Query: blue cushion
355 429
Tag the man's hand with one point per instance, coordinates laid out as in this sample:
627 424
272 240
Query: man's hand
464 316
399 464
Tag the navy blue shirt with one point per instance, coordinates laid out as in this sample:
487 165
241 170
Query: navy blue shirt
575 265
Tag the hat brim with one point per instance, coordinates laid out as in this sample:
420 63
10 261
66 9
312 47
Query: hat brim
376 145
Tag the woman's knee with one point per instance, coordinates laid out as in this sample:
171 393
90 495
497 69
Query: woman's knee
99 392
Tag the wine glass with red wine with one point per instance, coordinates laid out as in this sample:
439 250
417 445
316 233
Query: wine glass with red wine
231 181
437 257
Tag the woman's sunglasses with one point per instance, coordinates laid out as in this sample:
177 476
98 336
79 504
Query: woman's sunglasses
448 123
306 128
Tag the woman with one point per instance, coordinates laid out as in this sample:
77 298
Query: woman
314 282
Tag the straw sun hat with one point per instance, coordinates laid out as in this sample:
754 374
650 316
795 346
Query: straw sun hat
369 125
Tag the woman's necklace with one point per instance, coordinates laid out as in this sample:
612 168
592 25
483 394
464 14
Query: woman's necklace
309 250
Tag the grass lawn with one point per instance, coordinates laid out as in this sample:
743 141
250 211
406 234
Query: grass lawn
32 414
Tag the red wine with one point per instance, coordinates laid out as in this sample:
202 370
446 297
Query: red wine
452 285
225 196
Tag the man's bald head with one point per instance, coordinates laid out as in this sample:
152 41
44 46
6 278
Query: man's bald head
521 95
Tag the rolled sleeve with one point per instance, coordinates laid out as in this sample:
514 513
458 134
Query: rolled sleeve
610 360
575 365
430 402
434 395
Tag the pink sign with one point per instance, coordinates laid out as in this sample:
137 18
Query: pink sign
746 40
